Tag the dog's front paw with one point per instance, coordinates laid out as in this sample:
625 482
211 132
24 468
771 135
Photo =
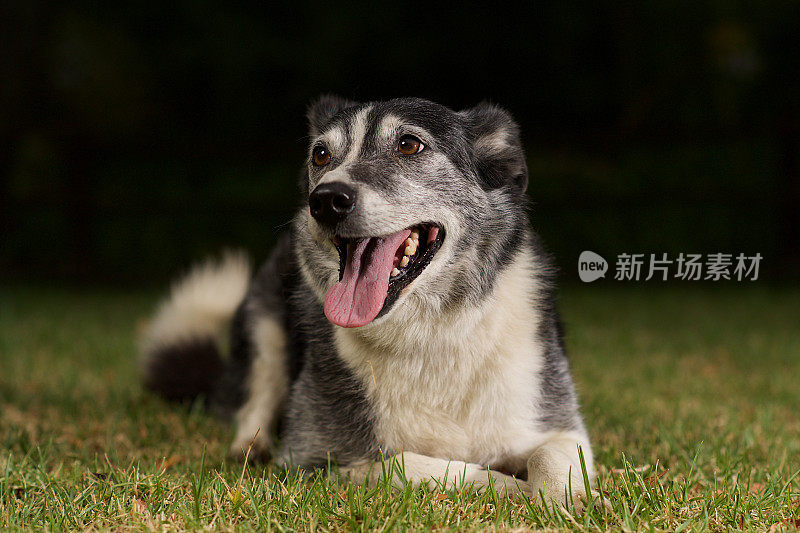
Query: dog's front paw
553 475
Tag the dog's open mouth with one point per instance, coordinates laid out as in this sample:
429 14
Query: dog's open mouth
374 270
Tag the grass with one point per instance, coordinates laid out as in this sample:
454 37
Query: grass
691 397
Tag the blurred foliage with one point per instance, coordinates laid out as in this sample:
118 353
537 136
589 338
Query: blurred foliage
136 137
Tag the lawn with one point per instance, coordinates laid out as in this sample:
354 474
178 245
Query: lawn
691 395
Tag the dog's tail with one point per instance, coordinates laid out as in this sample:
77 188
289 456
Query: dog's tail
180 347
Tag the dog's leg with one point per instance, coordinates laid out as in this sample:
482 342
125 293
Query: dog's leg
555 466
424 470
265 387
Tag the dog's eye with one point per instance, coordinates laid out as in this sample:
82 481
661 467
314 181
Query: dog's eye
409 145
321 156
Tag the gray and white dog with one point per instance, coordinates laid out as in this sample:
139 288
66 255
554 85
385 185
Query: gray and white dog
409 313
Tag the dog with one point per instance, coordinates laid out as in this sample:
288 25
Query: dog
408 314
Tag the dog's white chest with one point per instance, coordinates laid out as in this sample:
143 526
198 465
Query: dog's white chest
481 417
465 392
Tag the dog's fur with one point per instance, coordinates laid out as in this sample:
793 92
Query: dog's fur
462 374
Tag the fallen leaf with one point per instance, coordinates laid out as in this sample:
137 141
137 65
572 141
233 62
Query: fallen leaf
140 508
170 462
139 505
650 481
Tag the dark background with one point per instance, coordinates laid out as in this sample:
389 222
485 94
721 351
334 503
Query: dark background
137 137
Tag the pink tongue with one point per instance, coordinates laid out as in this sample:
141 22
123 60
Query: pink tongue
358 298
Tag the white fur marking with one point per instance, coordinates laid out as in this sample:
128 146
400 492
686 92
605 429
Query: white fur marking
268 384
389 126
493 143
201 303
335 139
358 129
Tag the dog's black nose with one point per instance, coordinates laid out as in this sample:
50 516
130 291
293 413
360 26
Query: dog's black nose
331 202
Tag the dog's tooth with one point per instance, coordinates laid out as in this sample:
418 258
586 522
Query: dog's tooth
414 235
409 241
395 272
404 261
409 250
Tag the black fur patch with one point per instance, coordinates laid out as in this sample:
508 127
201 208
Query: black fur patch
329 416
184 370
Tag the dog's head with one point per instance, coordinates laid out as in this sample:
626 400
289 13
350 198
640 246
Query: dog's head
405 197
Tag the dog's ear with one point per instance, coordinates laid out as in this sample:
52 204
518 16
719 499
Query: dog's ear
497 148
322 110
